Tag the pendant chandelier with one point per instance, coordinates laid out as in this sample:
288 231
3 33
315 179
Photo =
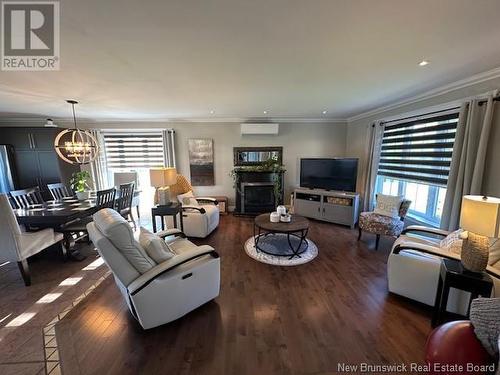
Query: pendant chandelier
76 146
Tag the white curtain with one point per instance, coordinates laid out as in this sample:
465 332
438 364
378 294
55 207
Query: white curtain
98 167
376 131
469 157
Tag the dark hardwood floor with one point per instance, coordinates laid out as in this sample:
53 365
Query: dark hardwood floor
267 320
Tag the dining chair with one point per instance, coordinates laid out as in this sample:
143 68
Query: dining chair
18 245
78 228
59 191
124 202
25 198
105 198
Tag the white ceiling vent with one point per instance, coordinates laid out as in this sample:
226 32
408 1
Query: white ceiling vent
262 129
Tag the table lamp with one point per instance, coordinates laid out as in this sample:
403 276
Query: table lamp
480 218
161 179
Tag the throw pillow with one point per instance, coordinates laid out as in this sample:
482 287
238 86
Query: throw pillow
452 242
188 199
388 205
155 247
485 317
494 252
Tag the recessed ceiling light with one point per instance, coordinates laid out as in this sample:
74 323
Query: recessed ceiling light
325 112
265 112
212 112
423 63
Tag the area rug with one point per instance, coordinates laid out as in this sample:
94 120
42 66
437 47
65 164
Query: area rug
278 243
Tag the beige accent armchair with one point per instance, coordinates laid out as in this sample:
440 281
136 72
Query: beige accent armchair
17 245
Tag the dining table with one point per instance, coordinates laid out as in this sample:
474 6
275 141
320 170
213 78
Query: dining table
58 213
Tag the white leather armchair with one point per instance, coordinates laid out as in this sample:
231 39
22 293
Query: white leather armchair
17 245
200 221
413 268
156 293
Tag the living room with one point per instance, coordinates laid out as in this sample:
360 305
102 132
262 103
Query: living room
250 187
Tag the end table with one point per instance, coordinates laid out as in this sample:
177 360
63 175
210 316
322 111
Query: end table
453 275
172 209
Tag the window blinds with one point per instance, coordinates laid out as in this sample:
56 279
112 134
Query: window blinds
134 149
419 149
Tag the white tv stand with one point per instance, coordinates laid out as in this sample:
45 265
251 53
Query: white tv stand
333 206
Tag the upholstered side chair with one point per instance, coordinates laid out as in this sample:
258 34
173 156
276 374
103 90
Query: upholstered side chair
383 225
17 245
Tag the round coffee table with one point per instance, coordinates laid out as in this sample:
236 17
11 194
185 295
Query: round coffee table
296 229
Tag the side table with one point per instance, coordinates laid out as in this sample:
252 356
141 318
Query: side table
172 209
453 275
222 204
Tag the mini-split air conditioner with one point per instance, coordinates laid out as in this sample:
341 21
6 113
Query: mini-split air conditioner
259 129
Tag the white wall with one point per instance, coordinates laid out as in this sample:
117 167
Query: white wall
357 132
297 139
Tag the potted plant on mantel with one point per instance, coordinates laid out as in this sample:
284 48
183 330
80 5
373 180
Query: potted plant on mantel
80 184
271 165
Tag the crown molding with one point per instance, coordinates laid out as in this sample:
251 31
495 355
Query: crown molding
85 122
457 85
89 122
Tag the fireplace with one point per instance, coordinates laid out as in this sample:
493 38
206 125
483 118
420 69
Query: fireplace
255 192
258 173
257 197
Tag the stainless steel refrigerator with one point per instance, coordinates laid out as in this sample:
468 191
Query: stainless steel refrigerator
8 176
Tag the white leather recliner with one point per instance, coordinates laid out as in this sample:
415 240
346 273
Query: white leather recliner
156 293
200 221
414 265
17 245
201 217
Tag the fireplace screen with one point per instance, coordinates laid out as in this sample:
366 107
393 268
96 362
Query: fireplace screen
257 197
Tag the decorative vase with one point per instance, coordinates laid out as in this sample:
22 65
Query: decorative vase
281 210
475 252
82 195
274 217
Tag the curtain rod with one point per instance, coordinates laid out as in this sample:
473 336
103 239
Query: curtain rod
495 99
423 114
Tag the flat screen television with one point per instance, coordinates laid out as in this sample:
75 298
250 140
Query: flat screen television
330 174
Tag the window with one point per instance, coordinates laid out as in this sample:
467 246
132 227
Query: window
415 162
134 150
138 151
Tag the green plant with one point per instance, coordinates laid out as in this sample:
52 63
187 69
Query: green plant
270 165
80 181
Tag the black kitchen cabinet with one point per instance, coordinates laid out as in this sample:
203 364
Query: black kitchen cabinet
27 169
37 163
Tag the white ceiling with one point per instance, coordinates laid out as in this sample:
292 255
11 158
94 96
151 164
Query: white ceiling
180 59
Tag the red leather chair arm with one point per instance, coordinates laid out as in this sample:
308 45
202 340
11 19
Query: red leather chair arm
455 343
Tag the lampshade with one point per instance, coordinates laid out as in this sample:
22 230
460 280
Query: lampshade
480 215
162 177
